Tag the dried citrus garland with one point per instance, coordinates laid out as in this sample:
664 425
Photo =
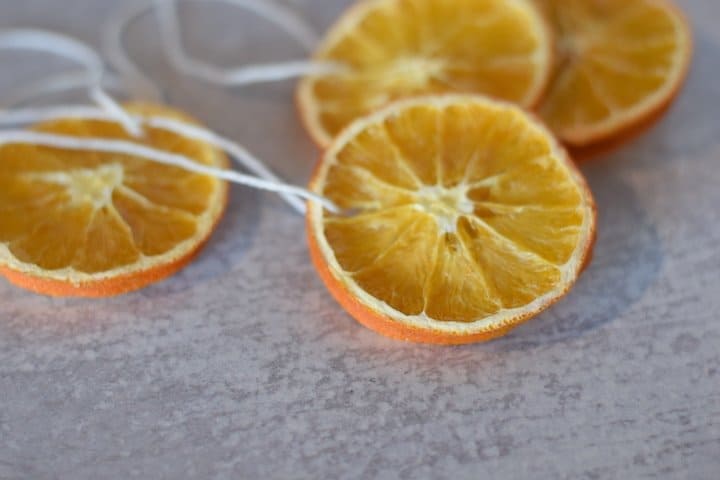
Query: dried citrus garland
441 219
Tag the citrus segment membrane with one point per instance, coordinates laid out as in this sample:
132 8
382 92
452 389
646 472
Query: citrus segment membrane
469 218
399 48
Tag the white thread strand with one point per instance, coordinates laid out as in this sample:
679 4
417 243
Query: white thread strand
169 23
158 156
114 47
48 42
108 104
33 115
236 151
72 49
58 83
42 114
283 17
111 111
167 18
138 83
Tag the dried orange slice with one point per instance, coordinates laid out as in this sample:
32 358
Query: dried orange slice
394 49
96 224
620 63
467 219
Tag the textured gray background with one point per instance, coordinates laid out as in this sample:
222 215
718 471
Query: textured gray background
242 366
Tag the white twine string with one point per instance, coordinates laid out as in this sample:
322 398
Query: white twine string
106 102
140 84
116 52
59 83
158 156
168 21
236 151
81 53
44 41
110 110
283 17
72 49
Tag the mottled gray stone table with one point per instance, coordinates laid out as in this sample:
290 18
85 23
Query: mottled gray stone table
242 366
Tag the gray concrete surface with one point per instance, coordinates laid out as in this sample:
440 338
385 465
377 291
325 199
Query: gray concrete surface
242 366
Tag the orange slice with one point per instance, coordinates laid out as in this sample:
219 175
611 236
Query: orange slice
96 224
394 49
620 64
467 218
